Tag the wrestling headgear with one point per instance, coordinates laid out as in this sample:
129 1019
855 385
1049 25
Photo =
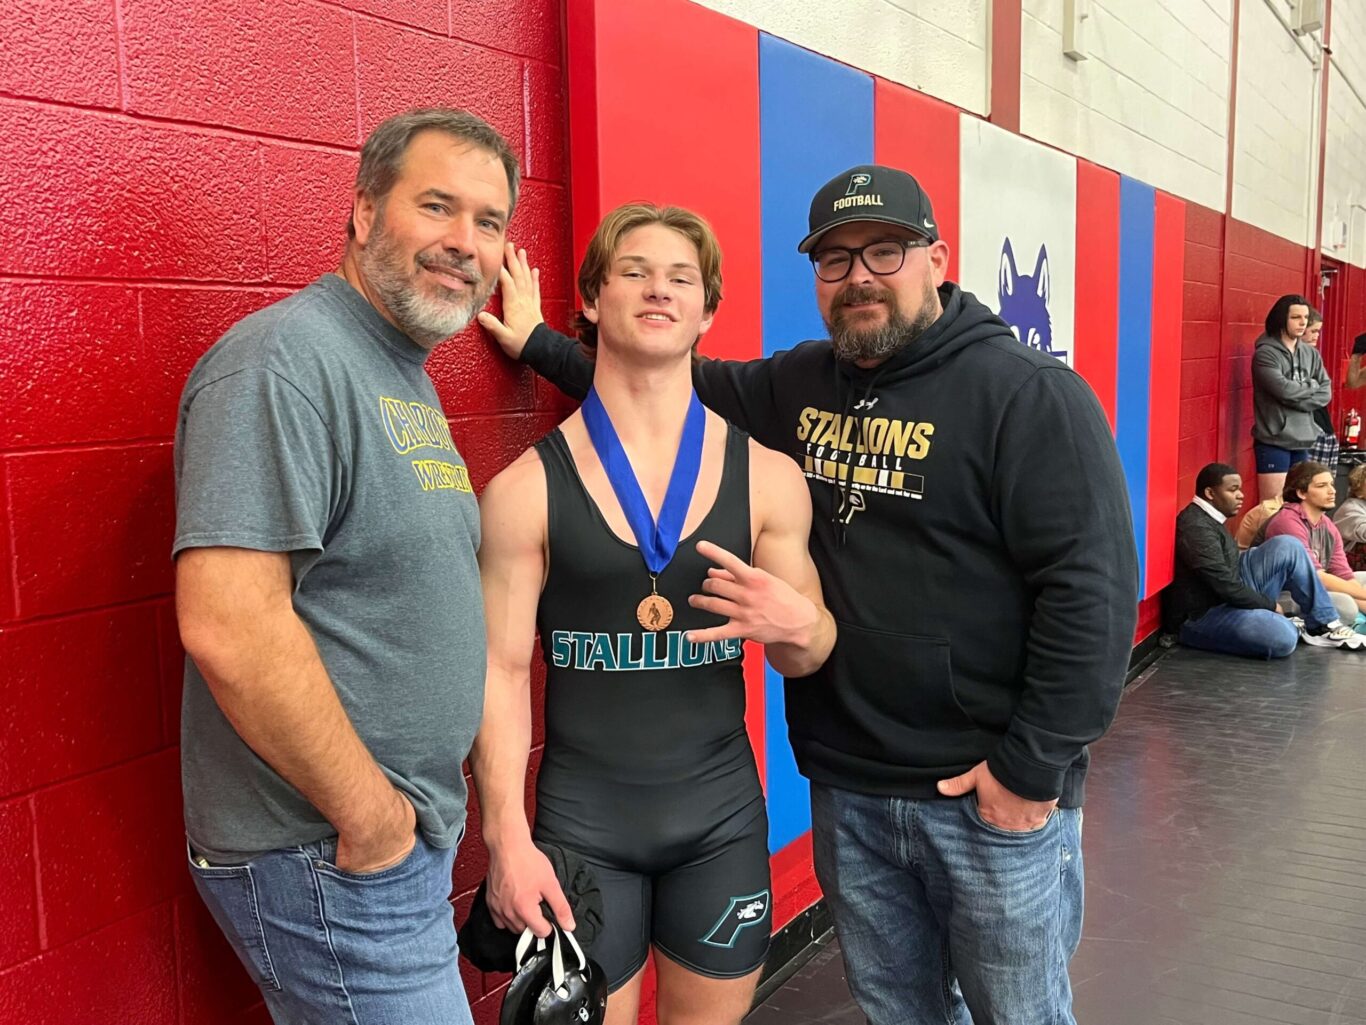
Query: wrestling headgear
556 983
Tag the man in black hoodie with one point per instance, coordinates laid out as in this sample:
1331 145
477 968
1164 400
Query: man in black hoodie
947 757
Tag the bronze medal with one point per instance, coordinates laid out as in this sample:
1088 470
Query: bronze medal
654 612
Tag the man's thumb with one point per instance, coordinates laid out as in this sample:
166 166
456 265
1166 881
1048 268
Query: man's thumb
958 786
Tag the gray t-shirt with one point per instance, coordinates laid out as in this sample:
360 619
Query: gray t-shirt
312 428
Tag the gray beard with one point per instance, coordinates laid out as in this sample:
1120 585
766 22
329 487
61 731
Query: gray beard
425 320
853 344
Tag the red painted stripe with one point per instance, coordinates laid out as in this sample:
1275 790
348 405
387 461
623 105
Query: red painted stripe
1005 64
902 122
794 881
1097 319
1165 389
647 124
582 70
1149 617
754 705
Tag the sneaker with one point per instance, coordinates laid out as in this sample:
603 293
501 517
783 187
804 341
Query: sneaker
1338 636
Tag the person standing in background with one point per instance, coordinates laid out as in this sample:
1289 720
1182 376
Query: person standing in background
1325 449
1288 384
1356 366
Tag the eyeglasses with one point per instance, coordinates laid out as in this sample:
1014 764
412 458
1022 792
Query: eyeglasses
882 258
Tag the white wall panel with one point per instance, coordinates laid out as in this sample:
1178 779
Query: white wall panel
937 47
1344 192
1150 100
1275 153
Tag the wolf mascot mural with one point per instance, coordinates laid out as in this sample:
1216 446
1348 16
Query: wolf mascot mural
1023 301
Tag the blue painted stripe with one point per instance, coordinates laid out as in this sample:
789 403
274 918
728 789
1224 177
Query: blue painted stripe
1137 211
816 119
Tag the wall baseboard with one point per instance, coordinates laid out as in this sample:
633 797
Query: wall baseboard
792 946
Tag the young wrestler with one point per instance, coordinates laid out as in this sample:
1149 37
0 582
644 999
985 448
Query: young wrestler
645 540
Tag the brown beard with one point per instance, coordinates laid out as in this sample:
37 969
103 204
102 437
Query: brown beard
422 318
854 344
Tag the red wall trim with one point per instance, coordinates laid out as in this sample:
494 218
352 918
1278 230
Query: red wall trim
1315 261
1005 64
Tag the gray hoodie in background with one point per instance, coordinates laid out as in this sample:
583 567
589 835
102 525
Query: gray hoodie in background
1351 522
1286 389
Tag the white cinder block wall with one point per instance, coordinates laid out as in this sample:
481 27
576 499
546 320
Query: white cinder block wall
1151 99
1344 187
1275 158
937 47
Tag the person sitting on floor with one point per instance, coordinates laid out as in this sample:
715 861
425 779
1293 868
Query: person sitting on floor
1309 494
1219 601
1350 519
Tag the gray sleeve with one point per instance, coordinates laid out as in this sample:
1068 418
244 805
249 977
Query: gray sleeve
256 467
1351 521
1269 378
1324 394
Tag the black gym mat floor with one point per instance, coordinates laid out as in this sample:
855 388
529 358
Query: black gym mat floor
1225 854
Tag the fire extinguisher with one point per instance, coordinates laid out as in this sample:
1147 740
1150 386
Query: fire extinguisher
1351 429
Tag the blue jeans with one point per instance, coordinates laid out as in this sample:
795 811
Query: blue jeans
1279 564
330 948
943 918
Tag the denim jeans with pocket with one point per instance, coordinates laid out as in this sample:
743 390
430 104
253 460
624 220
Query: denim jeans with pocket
945 918
329 947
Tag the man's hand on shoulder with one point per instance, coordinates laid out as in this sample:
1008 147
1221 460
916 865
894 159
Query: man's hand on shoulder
520 286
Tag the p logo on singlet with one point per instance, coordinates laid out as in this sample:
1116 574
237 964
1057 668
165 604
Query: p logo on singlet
740 914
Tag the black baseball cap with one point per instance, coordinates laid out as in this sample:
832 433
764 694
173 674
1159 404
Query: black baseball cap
870 192
1359 346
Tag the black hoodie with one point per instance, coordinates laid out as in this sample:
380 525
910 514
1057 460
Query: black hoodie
980 566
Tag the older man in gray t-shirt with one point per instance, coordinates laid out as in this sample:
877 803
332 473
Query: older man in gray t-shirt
328 597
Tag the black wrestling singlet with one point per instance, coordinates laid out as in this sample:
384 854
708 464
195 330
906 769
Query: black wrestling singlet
646 755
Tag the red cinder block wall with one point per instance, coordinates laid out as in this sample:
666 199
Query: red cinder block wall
1339 338
1234 273
168 168
1259 269
1201 346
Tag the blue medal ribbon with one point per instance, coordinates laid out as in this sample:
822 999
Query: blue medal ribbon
657 541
